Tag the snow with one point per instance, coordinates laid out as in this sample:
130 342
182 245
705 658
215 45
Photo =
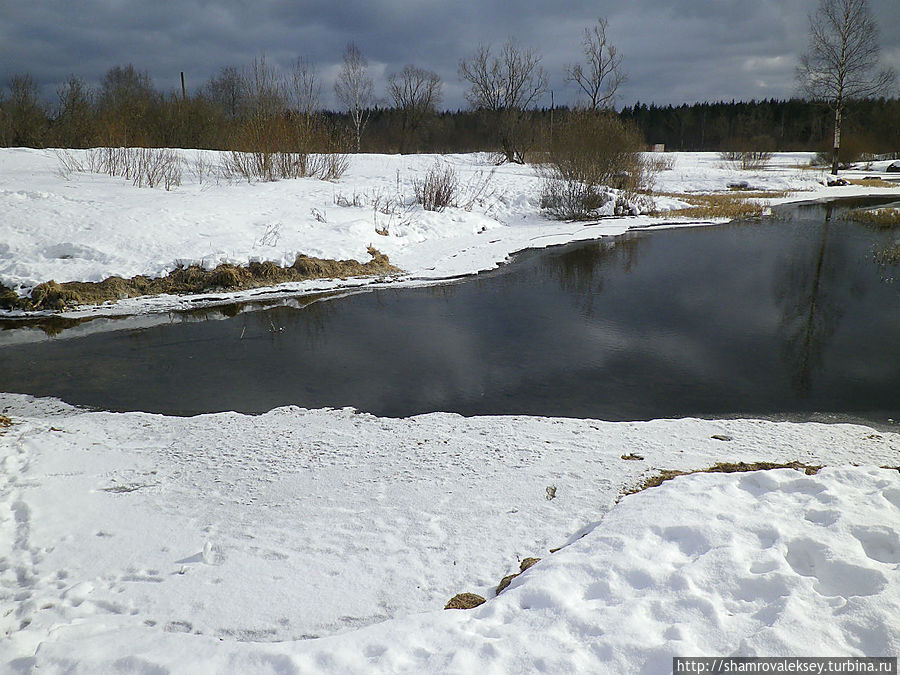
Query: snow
78 226
325 541
226 543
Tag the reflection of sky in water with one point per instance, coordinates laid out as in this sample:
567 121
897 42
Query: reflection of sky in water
770 317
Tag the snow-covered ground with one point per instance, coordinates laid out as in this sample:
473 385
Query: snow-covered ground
224 543
78 226
306 541
137 543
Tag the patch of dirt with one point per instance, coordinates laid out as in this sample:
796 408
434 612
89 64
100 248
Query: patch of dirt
194 279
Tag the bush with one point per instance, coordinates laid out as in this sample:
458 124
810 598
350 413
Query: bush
749 155
748 160
439 188
280 147
150 167
592 152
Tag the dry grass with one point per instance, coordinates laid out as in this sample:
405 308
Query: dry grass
723 467
188 280
4 422
889 255
880 217
464 601
872 182
733 204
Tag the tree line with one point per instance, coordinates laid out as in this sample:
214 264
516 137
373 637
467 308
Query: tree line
871 126
128 110
260 108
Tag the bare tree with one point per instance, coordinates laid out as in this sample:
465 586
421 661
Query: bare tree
415 92
225 91
23 117
304 90
601 75
354 88
841 62
506 86
125 98
263 90
73 126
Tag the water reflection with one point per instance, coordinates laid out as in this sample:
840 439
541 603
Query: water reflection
807 296
581 272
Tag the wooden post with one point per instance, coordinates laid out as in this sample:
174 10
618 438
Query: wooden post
183 91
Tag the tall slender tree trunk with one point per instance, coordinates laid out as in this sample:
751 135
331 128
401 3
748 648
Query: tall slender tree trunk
837 141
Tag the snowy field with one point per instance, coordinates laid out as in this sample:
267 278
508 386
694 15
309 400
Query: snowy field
137 543
79 226
328 541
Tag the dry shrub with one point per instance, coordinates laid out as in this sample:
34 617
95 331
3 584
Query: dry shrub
150 167
749 155
658 163
280 146
592 151
438 189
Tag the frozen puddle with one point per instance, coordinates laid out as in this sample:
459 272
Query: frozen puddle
223 543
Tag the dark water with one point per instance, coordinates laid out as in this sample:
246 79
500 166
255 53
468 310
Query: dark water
779 317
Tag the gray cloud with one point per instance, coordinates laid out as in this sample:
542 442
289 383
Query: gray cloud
692 50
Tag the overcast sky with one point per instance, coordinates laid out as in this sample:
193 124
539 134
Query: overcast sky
674 52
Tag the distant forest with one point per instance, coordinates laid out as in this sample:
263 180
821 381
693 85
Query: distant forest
134 113
871 127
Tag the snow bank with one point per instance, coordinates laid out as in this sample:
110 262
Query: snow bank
71 226
225 543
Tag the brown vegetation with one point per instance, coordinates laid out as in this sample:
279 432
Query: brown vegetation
889 255
194 279
723 467
464 601
731 205
872 182
880 217
590 152
507 580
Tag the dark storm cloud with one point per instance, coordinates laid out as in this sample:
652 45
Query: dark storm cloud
673 51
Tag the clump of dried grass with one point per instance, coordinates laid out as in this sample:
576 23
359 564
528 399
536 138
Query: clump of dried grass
888 255
729 205
195 279
880 217
872 182
724 467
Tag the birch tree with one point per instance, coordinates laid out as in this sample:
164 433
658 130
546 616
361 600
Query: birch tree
354 88
842 61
